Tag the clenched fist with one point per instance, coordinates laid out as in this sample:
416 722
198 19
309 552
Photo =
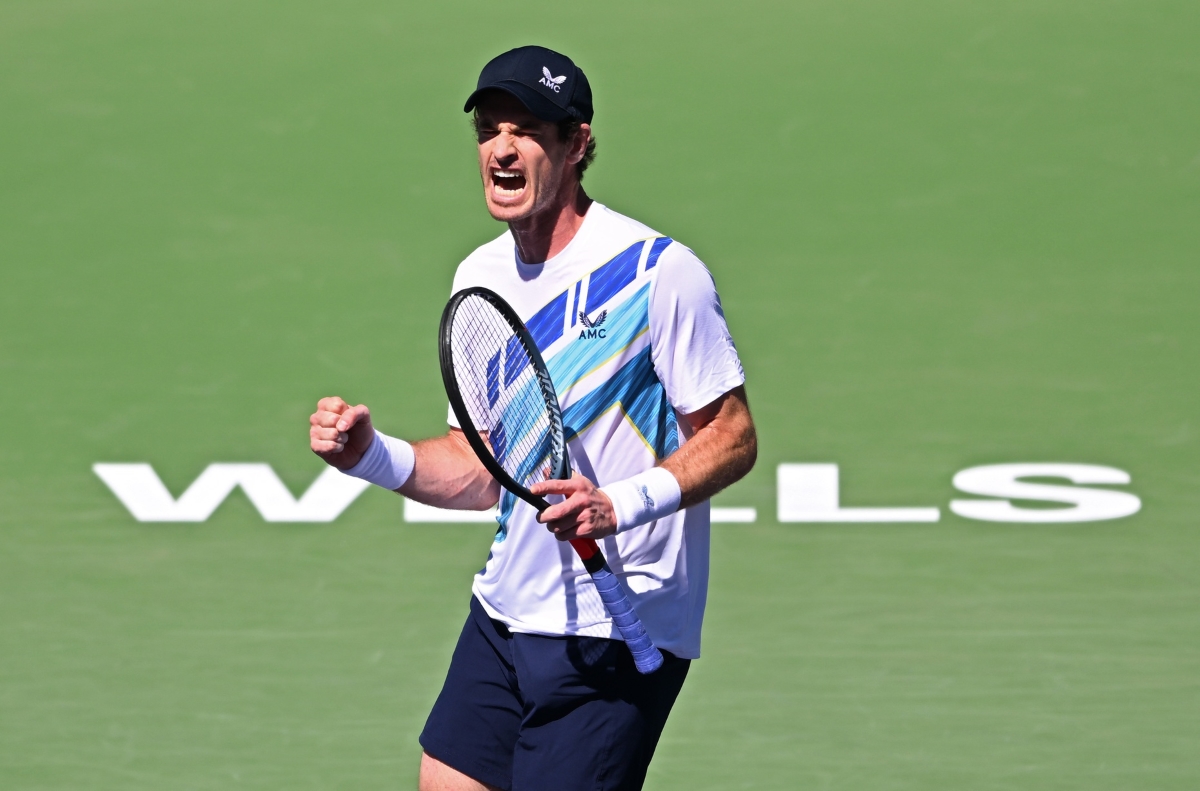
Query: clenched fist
339 433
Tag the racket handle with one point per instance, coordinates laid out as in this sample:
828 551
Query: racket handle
646 657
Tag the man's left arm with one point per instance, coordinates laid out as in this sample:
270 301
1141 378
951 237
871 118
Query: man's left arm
723 448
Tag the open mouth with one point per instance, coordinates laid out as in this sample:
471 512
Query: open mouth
507 182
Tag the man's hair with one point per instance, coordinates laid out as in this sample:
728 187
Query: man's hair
566 129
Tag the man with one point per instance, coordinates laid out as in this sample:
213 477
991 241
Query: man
541 693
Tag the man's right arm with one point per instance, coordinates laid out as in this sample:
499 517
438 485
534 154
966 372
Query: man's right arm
446 473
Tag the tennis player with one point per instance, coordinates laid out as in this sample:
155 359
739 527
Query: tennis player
541 693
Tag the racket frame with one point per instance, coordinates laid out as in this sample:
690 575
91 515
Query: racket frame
560 467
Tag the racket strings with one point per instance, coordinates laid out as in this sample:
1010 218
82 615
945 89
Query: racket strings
498 382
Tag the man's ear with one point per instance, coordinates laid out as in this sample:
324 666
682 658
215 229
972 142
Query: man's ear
579 143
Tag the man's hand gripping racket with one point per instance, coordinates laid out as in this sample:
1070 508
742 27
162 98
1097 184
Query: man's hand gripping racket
499 387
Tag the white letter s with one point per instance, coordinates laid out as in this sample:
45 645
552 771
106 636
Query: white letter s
1003 480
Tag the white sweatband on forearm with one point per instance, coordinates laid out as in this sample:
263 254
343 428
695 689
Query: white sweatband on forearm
388 462
643 498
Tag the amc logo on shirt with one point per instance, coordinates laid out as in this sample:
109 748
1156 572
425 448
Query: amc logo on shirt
591 329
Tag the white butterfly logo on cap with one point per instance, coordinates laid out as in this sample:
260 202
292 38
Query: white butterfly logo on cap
552 82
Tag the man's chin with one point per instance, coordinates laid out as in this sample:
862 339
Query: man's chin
504 212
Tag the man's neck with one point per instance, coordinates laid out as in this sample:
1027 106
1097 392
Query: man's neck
543 236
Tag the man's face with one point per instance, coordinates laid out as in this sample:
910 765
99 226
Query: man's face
523 164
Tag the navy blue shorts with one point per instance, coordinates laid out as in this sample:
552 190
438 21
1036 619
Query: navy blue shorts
526 712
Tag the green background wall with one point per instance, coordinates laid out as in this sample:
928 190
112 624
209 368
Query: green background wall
946 234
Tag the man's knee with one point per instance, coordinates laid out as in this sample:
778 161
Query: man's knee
436 776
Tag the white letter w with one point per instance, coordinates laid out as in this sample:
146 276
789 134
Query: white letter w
139 488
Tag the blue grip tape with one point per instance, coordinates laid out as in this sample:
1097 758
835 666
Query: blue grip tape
646 657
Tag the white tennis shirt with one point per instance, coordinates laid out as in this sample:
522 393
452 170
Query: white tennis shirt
631 328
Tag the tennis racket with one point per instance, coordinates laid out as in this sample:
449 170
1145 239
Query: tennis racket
501 393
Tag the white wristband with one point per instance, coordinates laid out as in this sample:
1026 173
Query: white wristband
388 462
643 498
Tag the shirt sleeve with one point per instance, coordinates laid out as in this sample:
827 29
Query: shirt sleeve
693 352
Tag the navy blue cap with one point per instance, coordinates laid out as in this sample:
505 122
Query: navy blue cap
548 83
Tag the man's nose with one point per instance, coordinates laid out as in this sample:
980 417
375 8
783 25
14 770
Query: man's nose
505 149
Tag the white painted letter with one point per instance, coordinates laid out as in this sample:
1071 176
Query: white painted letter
1003 480
736 515
140 490
809 493
419 512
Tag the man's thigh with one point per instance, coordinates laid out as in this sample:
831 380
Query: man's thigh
436 776
475 721
590 720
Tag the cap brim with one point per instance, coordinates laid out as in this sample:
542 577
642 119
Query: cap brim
537 104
